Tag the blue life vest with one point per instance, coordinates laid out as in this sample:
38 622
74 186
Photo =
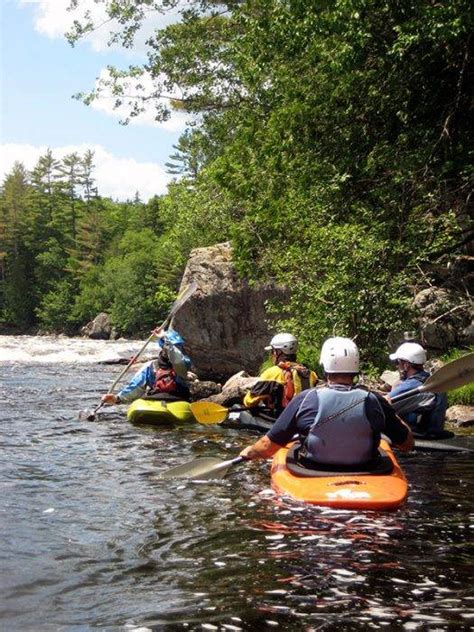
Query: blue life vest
341 433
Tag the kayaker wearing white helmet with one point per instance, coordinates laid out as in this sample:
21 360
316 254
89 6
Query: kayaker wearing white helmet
338 424
278 384
165 377
425 412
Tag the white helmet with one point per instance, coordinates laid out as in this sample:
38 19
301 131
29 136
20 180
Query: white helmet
411 352
339 355
285 342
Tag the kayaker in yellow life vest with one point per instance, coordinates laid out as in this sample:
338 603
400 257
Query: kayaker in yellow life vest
278 385
338 424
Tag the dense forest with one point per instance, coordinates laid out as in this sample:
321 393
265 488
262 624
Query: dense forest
331 142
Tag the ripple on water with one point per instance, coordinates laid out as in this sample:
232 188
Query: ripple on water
91 536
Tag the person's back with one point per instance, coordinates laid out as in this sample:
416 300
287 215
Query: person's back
344 426
278 384
425 412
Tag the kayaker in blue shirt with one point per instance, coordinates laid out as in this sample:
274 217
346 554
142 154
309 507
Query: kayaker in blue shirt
340 423
166 375
425 412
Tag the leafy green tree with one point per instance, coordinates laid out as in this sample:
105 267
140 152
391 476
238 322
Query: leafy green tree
332 143
131 278
54 310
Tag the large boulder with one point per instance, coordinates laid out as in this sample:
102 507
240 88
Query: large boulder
100 328
234 390
225 322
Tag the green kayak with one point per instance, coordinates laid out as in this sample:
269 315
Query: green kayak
159 411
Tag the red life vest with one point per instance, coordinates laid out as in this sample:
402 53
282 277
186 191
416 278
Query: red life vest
289 390
166 381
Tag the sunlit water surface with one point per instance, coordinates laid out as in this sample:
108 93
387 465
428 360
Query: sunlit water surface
92 538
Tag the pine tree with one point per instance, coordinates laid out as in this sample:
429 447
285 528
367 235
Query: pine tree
17 272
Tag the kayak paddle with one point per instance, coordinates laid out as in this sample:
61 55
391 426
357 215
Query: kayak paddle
204 468
183 296
212 413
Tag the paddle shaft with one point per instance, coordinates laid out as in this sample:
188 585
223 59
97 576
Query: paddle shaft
407 394
132 361
212 413
226 464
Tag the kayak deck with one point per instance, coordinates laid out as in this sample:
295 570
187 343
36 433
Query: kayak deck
160 412
344 491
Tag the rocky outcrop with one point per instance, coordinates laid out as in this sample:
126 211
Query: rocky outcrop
100 328
225 321
445 318
461 416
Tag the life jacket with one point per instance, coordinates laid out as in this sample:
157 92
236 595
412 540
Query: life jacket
429 415
341 433
297 379
165 381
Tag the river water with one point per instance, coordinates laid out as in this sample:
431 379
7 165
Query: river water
92 538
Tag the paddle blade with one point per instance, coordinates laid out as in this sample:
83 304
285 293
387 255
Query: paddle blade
209 412
86 415
199 469
452 375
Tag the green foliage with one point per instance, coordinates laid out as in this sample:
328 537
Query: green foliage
54 308
465 394
331 143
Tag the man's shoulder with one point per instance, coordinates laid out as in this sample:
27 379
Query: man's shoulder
308 397
405 385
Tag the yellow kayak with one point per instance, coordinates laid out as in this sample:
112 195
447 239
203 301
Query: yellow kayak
159 411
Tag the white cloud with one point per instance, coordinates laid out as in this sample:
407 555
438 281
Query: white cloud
53 19
116 177
143 86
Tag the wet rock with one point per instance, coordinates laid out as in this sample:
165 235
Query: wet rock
99 329
461 416
225 322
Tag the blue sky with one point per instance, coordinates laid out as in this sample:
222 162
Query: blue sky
40 72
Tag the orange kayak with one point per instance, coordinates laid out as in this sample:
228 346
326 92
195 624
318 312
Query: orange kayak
351 490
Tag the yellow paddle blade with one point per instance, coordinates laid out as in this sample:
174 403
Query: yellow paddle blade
209 412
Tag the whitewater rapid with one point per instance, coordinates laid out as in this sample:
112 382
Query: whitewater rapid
65 350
